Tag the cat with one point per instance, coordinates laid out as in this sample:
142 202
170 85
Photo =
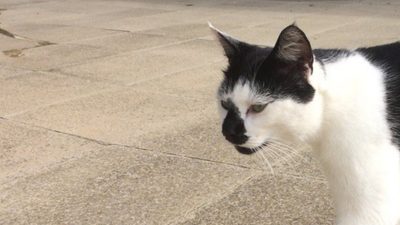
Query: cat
345 104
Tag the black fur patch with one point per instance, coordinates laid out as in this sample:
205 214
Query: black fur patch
387 57
325 56
233 126
280 71
243 66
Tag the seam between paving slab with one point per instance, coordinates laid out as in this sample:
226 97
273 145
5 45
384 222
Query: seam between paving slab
105 144
112 55
163 153
119 87
164 45
134 83
192 213
67 100
9 116
108 144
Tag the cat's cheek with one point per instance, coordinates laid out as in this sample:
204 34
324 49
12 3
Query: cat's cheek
257 129
280 121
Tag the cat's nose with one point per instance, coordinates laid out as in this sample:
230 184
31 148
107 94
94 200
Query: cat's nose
233 129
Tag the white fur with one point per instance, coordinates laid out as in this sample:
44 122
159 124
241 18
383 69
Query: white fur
346 125
354 145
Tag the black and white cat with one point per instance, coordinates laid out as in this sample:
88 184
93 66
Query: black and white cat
344 104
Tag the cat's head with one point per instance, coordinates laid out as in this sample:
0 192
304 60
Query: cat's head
267 93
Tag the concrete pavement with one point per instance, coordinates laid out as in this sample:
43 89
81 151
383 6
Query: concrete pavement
108 114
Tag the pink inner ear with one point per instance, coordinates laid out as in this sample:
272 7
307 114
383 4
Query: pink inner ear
308 70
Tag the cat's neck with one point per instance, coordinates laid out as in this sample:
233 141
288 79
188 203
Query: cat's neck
354 143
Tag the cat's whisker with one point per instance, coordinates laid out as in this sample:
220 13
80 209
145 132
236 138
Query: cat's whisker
286 151
272 153
279 151
285 157
267 163
260 159
292 150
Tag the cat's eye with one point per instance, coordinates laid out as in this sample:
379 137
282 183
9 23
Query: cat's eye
257 108
225 105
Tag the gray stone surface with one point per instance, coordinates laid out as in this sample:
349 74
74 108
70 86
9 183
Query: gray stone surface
57 33
128 41
271 200
108 113
31 90
120 186
139 66
28 151
53 56
7 43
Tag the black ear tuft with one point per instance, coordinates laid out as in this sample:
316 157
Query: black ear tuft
228 43
293 46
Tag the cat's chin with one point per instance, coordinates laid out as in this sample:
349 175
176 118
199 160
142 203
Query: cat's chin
243 150
249 151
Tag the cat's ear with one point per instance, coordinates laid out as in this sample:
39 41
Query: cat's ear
230 45
293 47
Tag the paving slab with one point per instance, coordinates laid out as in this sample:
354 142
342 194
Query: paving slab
128 41
376 9
171 5
246 18
7 43
100 20
7 72
289 7
27 151
201 82
119 186
16 3
161 20
278 200
366 32
31 12
267 34
298 163
53 56
138 66
179 126
190 30
203 140
31 90
56 33
54 13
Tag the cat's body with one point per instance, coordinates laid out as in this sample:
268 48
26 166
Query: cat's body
355 144
344 104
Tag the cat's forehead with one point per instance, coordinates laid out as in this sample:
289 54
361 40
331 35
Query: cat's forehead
243 92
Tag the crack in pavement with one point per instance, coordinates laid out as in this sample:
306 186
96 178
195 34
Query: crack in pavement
14 53
7 33
18 52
